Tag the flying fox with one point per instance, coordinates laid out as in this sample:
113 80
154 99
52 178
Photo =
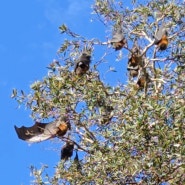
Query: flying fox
118 40
43 131
82 65
161 38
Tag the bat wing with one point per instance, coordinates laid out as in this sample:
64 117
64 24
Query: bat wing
117 36
38 132
26 133
160 33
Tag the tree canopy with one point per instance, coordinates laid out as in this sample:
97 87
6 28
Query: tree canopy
124 132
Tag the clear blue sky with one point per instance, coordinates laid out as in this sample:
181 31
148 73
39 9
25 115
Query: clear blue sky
29 40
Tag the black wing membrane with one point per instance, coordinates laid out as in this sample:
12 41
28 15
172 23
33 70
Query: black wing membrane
38 132
25 133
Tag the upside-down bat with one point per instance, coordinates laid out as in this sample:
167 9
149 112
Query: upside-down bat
43 131
161 38
67 150
118 40
143 80
82 65
135 60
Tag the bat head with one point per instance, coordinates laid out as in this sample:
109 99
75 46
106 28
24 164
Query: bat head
63 125
82 65
85 58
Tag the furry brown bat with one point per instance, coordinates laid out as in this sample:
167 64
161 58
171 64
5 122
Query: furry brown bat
161 38
82 65
143 80
134 61
118 40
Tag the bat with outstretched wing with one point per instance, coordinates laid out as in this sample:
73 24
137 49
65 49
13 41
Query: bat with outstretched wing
43 131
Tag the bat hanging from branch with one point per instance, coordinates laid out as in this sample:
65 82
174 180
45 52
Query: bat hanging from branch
82 65
67 150
118 40
135 60
143 80
161 38
43 131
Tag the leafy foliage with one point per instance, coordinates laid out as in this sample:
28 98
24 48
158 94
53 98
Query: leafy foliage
125 134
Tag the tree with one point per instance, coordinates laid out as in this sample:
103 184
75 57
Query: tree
130 133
